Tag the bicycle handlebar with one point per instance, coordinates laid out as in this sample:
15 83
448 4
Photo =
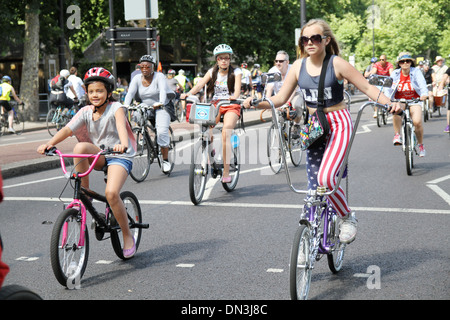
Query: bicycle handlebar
55 152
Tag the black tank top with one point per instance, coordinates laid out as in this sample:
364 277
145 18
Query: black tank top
333 88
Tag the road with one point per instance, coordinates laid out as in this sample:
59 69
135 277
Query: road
236 246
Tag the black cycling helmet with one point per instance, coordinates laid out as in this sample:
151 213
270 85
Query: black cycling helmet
147 58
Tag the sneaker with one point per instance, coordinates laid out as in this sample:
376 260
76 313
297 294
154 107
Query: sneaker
447 129
296 131
422 152
11 130
166 166
348 228
397 140
375 114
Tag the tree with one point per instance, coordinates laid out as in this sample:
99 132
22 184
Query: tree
30 72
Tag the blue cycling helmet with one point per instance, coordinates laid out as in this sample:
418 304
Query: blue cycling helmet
373 60
6 79
222 48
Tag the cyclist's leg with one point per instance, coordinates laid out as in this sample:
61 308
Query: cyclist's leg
117 175
82 164
7 108
416 116
230 119
162 123
341 128
397 124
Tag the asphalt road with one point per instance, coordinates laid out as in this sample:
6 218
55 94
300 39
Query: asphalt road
236 246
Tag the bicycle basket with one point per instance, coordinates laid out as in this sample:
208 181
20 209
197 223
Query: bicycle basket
203 113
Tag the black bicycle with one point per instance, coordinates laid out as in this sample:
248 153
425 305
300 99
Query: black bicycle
148 150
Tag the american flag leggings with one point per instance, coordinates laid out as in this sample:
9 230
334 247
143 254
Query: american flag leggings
324 161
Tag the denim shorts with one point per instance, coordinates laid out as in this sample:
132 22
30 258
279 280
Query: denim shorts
125 163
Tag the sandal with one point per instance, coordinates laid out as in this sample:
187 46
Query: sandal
226 179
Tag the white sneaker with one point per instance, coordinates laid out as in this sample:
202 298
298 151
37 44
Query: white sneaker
11 130
166 166
348 228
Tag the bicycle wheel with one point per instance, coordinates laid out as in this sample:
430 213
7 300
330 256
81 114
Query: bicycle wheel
16 292
198 172
50 120
171 153
274 150
295 148
134 213
379 117
336 255
179 111
235 169
299 268
18 123
408 149
142 161
68 258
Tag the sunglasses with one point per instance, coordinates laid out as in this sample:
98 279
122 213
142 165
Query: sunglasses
382 59
279 61
315 39
404 61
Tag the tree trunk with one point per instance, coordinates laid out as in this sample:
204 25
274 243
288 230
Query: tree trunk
29 86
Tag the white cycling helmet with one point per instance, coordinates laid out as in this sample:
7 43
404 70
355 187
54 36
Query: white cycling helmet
222 48
64 73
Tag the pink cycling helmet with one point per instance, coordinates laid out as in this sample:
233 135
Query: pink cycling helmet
99 74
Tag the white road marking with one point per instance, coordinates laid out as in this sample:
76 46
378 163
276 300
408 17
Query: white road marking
185 265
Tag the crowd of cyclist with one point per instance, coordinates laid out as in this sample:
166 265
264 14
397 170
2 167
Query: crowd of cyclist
299 83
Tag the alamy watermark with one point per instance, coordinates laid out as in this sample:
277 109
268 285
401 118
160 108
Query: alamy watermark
373 275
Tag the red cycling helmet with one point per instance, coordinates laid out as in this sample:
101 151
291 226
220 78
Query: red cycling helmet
99 74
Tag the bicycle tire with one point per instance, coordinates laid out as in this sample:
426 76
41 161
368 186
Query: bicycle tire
336 255
408 149
134 213
51 127
179 111
379 117
235 169
68 260
299 268
18 123
274 150
425 110
142 161
295 148
16 292
198 172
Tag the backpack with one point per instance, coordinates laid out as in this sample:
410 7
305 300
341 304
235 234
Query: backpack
57 83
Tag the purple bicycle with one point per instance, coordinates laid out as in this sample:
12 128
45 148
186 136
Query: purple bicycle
69 245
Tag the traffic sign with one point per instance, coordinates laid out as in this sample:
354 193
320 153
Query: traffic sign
130 34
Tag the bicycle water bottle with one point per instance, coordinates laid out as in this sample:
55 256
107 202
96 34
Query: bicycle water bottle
234 141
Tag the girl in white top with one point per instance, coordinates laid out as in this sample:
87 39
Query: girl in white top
103 121
224 83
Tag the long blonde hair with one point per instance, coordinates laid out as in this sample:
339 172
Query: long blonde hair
332 46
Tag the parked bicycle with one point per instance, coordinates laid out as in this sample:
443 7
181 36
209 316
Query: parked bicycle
148 149
18 121
69 246
203 155
318 231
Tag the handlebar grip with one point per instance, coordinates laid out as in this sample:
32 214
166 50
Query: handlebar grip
51 152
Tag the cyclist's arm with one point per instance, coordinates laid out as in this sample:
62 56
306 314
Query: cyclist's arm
200 84
132 89
121 125
288 87
443 81
73 91
344 70
60 136
14 95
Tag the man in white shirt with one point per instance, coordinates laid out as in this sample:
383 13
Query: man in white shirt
77 84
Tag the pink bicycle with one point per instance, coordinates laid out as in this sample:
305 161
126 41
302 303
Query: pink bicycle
69 245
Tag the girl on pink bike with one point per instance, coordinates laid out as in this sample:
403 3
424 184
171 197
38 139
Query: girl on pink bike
103 122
